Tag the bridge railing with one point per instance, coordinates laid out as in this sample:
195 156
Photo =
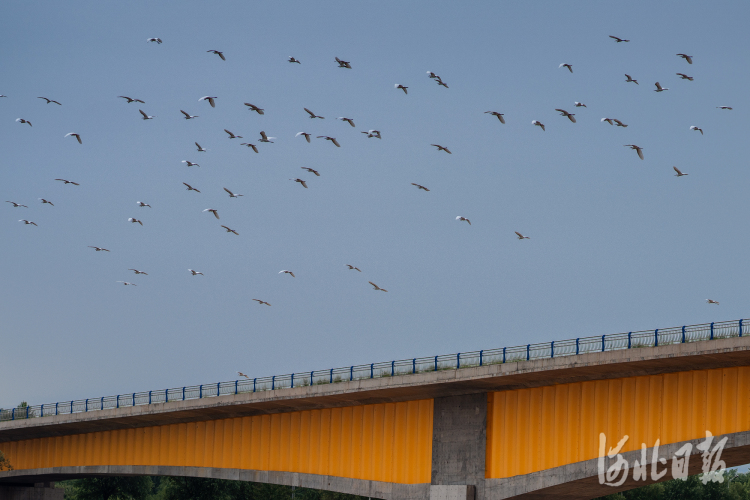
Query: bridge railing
528 352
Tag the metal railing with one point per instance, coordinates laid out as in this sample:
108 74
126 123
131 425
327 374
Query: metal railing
571 347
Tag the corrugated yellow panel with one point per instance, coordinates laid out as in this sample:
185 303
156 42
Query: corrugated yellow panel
304 441
729 400
601 414
510 433
669 408
150 445
356 467
412 442
548 440
378 443
228 452
236 443
522 424
589 435
369 465
246 448
200 444
217 448
743 397
325 440
656 385
714 400
345 469
389 425
533 455
106 448
74 450
334 447
399 443
57 462
627 411
684 393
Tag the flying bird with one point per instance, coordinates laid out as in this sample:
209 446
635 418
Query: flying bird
618 39
210 100
147 117
190 163
399 86
46 201
49 100
440 82
77 136
218 53
16 205
723 107
693 127
569 66
521 237
432 75
136 271
659 88
351 267
200 149
253 146
313 115
442 148
619 123
261 302
373 133
304 184
243 375
608 120
195 273
265 138
253 107
213 211
190 188
131 219
130 99
286 272
688 58
580 104
232 136
377 287
99 249
311 170
685 77
638 149
28 222
679 173
419 186
68 182
127 283
231 194
463 218
499 115
332 139
538 124
630 79
343 64
188 116
344 119
230 230
304 134
710 301
157 40
571 116
22 120
293 60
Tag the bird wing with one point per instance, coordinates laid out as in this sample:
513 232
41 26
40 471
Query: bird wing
640 153
144 114
677 170
304 184
333 140
351 122
311 113
221 54
228 191
186 115
571 118
519 234
254 148
500 117
263 135
211 102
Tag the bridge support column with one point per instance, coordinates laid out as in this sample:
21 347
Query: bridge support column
40 491
459 440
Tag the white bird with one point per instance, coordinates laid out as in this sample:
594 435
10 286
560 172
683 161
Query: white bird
442 148
685 77
157 40
16 205
679 173
344 119
200 149
440 82
688 58
218 53
638 149
265 138
538 124
230 230
127 283
131 219
232 136
343 64
313 115
619 123
304 134
618 39
693 127
332 139
130 99
580 104
260 302
243 375
565 113
373 133
463 218
710 301
304 184
190 188
499 115
311 170
68 182
293 60
630 79
231 194
194 272
286 272
402 87
210 100
136 271
377 287
353 268
46 201
190 163
723 107
28 222
77 136
521 237
432 75
99 249
213 211
21 120
188 116
419 186
569 66
608 120
253 107
659 88
147 117
253 146
1 95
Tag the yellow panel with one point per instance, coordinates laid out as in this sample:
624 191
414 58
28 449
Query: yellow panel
217 449
246 448
378 443
106 448
713 400
285 429
236 443
743 397
389 425
368 466
399 442
510 434
669 408
533 454
345 466
356 466
548 442
265 442
305 453
729 401
522 426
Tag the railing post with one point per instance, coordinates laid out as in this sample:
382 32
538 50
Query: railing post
630 335
331 376
218 388
56 408
683 333
393 368
480 357
254 380
458 361
602 343
86 407
236 387
117 405
414 366
292 380
42 410
577 346
183 393
311 377
740 328
372 370
149 397
656 338
528 352
101 403
13 414
504 354
200 391
71 407
552 349
273 382
166 395
351 373
27 411
436 363
712 330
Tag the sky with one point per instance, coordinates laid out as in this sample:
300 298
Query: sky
615 243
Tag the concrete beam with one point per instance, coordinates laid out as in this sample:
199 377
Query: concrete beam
40 492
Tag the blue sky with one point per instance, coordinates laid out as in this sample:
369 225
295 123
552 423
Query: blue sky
616 243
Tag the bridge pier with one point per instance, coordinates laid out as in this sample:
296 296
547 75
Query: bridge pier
40 491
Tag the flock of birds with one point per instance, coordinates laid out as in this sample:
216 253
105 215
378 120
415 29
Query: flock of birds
372 133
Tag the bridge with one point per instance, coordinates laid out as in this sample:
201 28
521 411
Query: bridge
524 422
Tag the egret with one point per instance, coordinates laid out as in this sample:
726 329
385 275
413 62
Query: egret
638 149
304 134
231 194
442 148
218 53
232 136
265 138
131 219
304 184
157 40
313 115
261 302
608 120
432 75
710 301
190 163
377 287
293 60
77 136
570 116
99 249
68 182
693 127
619 123
210 100
521 237
28 222
419 186
723 107
499 115
130 99
659 88
685 77
353 268
49 100
136 271
284 271
618 39
190 188
399 86
440 82
311 170
688 58
679 173
188 116
344 119
253 107
195 273
200 149
230 230
46 201
343 64
22 120
16 205
253 146
373 133
463 218
630 79
213 211
580 104
569 66
538 124
332 139
147 117
127 283
243 375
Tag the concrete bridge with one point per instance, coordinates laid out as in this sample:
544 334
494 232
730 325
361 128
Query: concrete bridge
522 429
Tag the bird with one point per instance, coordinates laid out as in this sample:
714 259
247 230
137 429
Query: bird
218 53
569 66
619 123
213 211
684 76
688 58
157 40
286 272
608 120
313 115
16 205
304 184
243 375
131 219
565 113
195 273
373 133
190 163
659 88
463 218
580 104
188 116
311 170
293 60
538 124
440 82
354 268
190 188
638 149
99 249
127 283
130 99
377 287
232 136
265 138
22 120
630 79
419 186
77 136
261 302
231 194
332 139
432 75
230 230
442 148
1 95
693 127
618 39
304 134
28 222
136 271
46 201
399 86
521 237
68 182
344 119
679 173
49 100
147 117
253 107
210 100
343 64
200 148
723 107
499 115
253 146
710 301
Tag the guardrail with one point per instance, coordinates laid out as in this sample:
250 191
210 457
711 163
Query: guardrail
571 347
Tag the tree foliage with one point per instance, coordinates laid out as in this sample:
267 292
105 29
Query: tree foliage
113 488
735 487
4 462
